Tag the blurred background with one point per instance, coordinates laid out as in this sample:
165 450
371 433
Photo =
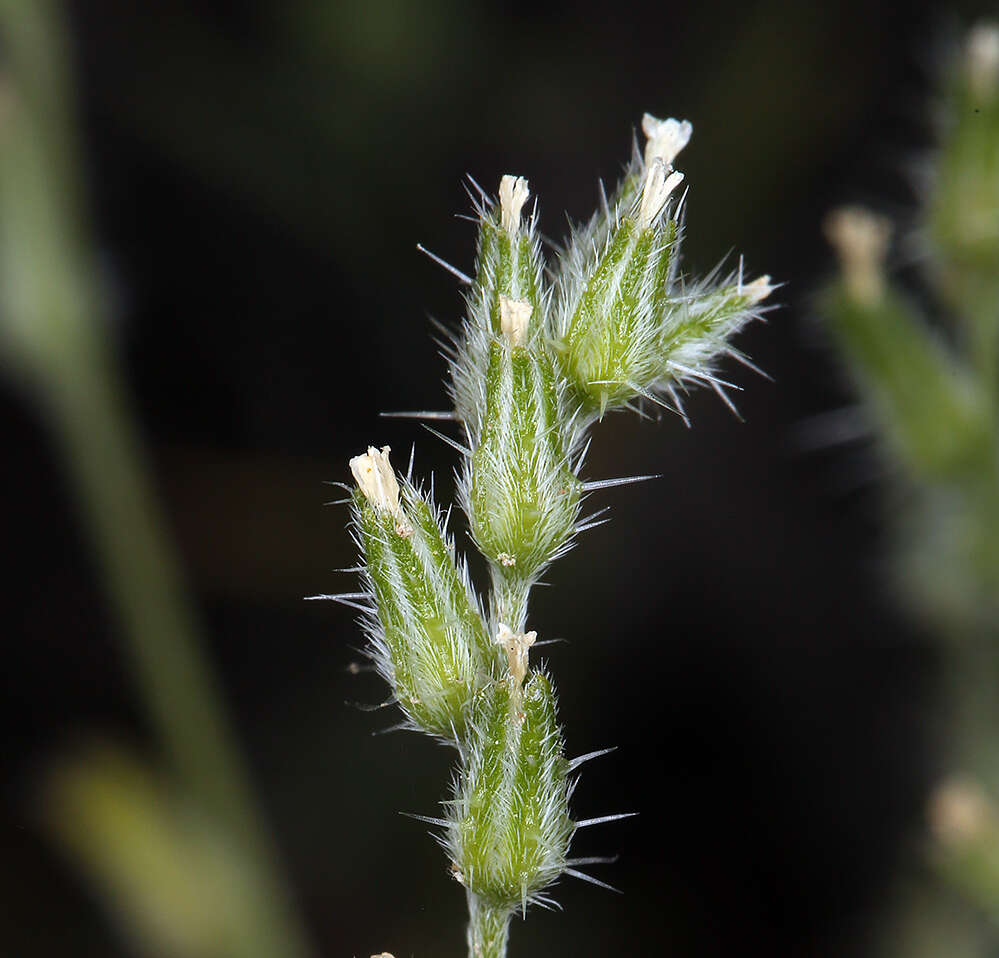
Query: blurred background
257 177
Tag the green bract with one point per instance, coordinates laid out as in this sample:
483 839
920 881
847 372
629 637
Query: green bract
511 828
428 639
610 349
625 326
523 498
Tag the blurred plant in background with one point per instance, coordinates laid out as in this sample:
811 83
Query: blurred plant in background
932 391
180 856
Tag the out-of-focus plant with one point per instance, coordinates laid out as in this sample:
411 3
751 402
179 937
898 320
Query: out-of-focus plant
181 858
542 355
934 397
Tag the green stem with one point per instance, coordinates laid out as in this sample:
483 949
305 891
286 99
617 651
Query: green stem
509 601
488 929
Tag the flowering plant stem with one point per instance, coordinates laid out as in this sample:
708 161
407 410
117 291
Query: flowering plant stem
488 928
541 356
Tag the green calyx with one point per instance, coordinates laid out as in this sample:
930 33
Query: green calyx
507 265
523 495
511 828
432 645
610 348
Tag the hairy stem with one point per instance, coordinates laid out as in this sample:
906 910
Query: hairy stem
509 601
488 929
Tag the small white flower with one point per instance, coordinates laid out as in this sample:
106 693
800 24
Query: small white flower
758 290
665 138
515 317
376 480
517 645
861 240
658 186
513 194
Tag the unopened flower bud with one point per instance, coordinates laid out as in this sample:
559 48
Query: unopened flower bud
615 279
697 326
508 848
521 495
609 324
427 636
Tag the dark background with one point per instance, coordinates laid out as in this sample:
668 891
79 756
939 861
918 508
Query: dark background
259 175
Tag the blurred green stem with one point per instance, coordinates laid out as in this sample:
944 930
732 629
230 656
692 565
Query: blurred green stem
510 599
982 316
53 327
102 453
